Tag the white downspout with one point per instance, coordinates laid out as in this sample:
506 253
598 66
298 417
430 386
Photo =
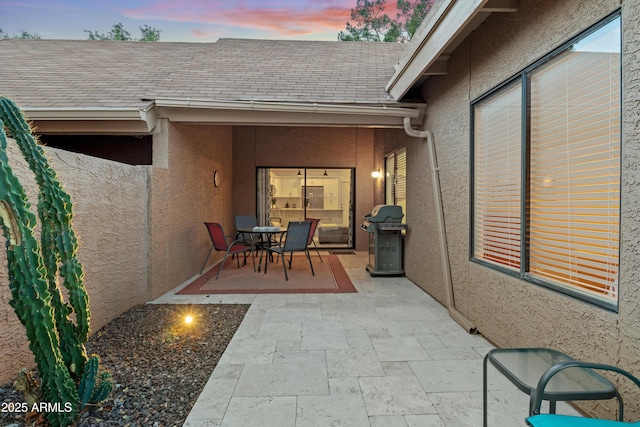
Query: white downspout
446 267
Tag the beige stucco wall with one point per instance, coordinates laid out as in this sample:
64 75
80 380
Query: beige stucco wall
183 197
304 147
508 311
110 211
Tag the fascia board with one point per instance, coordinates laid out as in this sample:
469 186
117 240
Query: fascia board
73 120
291 107
83 113
285 113
278 118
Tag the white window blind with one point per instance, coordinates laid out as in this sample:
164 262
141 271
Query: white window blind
401 181
396 183
497 172
575 172
390 166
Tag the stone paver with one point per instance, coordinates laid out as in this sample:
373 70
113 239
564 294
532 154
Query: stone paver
386 356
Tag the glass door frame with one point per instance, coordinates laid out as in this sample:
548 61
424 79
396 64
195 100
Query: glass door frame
270 204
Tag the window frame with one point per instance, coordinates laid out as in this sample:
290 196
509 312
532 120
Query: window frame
391 179
522 77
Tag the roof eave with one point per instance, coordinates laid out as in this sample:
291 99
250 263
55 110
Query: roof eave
285 113
92 119
441 32
207 111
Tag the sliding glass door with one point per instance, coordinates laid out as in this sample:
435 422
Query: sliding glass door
293 194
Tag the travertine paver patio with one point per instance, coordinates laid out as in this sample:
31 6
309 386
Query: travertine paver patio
386 356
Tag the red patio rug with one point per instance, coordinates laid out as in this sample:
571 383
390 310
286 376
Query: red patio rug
330 277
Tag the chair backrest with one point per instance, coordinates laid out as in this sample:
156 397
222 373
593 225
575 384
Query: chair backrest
312 231
245 221
297 236
217 236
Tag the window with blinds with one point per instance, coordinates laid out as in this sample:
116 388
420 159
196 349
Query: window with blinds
570 195
400 192
497 177
396 183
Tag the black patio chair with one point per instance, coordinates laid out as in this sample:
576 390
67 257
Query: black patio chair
296 240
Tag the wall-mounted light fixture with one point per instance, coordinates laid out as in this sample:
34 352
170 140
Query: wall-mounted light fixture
325 173
376 174
299 172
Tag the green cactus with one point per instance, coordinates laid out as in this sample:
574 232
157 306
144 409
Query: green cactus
103 390
92 390
55 340
88 380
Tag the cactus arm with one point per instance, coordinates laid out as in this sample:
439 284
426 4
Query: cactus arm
88 381
104 388
92 390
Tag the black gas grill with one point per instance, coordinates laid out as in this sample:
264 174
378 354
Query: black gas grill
384 225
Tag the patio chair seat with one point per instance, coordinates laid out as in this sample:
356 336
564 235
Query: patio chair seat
554 420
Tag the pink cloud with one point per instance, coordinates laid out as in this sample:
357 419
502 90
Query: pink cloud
285 18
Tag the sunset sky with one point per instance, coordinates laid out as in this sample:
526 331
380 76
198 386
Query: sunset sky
180 20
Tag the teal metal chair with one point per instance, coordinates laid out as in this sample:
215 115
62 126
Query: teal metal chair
554 420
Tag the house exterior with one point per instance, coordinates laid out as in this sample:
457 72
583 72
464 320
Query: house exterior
473 97
156 120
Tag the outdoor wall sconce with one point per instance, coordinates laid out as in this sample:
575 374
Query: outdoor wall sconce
325 173
376 174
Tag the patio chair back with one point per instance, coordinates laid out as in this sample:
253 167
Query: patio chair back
312 233
553 420
297 236
312 230
246 221
217 236
296 240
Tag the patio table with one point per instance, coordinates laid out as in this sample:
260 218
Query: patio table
525 366
266 236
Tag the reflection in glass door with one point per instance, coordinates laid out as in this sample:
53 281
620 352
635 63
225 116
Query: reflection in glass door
293 194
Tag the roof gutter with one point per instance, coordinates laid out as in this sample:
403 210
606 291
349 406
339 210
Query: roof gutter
413 111
94 114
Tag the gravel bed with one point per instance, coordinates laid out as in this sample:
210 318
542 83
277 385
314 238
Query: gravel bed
158 363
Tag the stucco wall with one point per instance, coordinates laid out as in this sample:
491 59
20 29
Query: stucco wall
183 197
304 147
110 211
508 311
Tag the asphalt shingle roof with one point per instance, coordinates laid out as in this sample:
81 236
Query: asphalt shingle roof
107 74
